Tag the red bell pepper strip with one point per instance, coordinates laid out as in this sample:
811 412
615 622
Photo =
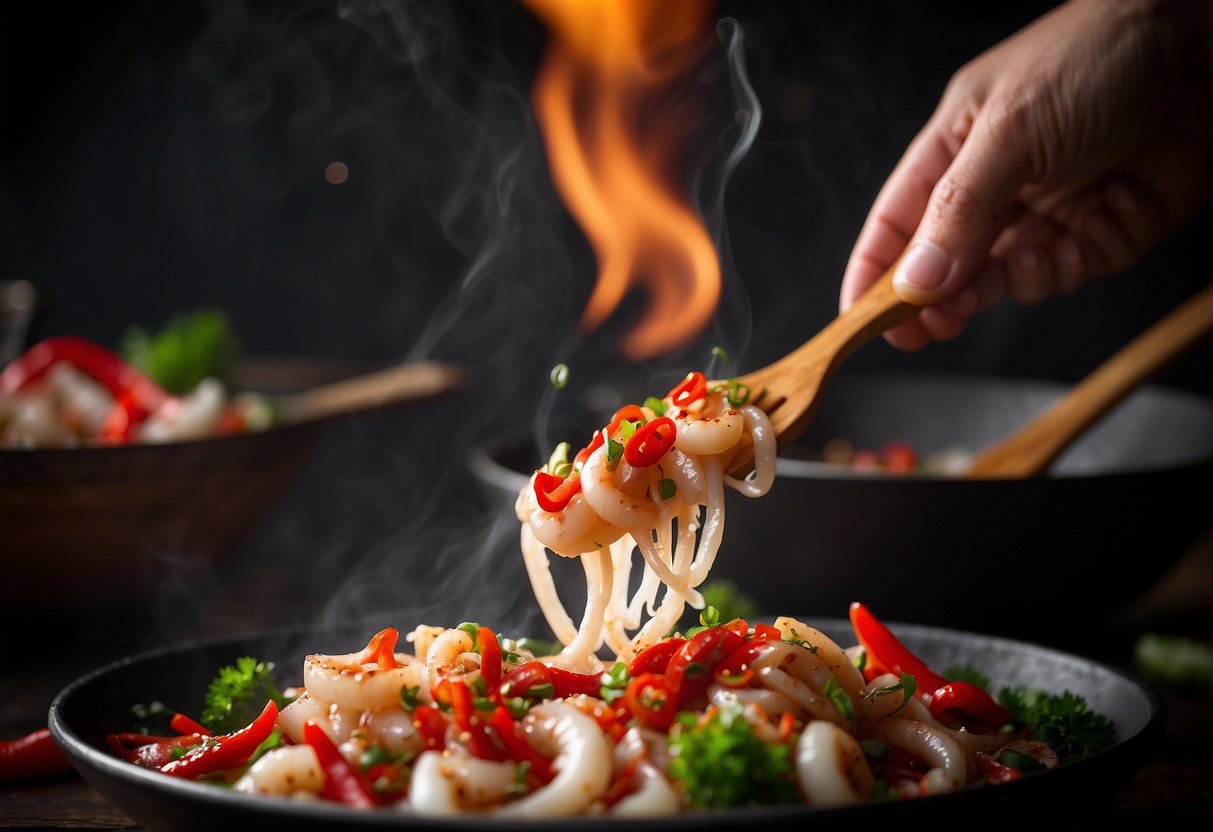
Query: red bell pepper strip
692 388
185 726
473 730
650 442
342 782
380 650
656 658
34 755
650 700
490 659
227 751
516 746
701 651
964 702
136 396
148 751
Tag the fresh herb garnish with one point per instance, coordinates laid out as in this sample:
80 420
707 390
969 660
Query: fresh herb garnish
667 488
656 405
188 349
1064 723
614 683
833 691
1020 761
409 697
722 763
908 685
238 694
732 603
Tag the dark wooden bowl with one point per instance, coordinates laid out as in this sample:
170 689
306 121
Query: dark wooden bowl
100 525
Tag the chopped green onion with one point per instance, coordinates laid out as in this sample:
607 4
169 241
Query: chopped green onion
558 463
560 376
738 393
627 428
667 488
409 698
860 660
834 692
614 451
518 787
710 617
656 405
543 691
471 628
694 669
517 706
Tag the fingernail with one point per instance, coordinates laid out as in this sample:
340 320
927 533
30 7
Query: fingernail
925 267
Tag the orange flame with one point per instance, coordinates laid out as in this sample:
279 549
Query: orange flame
613 138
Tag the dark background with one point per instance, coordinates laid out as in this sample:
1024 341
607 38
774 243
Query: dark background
157 157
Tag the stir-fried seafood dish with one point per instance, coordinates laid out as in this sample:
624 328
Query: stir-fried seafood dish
727 712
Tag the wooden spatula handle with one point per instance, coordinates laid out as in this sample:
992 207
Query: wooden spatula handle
1030 450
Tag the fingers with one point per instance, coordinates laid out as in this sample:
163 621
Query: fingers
966 210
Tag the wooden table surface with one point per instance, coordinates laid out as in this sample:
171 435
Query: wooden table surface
1173 789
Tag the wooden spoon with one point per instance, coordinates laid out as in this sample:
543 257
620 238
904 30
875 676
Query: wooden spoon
401 384
790 389
1029 451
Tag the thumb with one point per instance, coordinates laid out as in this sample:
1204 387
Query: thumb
967 208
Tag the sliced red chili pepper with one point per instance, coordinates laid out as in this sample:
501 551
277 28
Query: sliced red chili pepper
735 634
596 442
342 782
701 652
965 703
650 442
183 725
516 746
432 725
553 493
692 388
524 677
899 458
740 659
733 678
226 751
473 730
490 659
649 699
380 650
767 631
33 755
655 659
630 412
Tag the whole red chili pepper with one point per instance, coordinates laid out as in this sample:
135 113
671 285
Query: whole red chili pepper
650 442
33 755
342 782
229 750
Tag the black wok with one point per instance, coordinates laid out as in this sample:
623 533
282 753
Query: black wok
1015 557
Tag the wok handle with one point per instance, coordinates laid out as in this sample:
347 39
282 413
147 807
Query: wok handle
1031 450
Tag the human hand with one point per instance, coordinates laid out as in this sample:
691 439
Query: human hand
1065 152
